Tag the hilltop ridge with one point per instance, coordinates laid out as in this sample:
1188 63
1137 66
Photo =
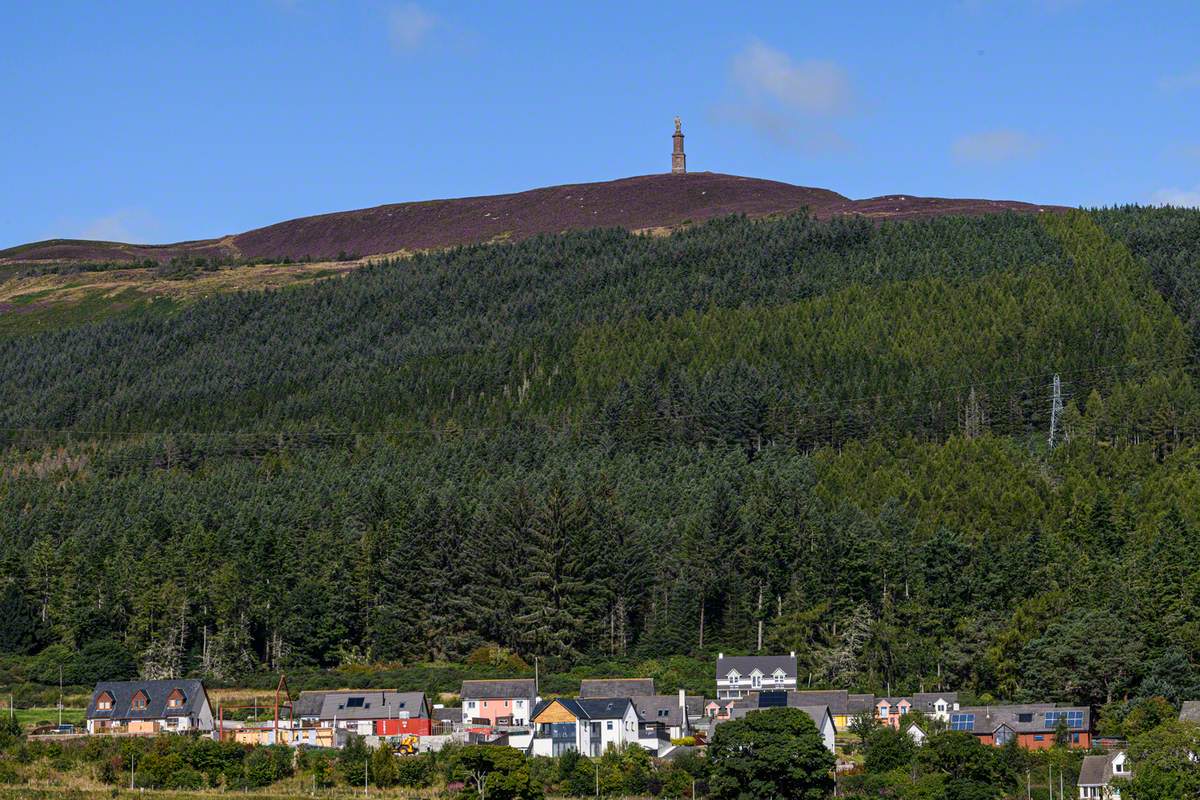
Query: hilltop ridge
636 203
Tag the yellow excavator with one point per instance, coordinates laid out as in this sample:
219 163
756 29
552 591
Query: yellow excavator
407 745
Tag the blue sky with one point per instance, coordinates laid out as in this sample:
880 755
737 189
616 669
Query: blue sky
161 121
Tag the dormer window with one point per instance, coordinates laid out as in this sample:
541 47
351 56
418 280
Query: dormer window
734 679
779 676
139 701
756 680
883 710
104 702
176 699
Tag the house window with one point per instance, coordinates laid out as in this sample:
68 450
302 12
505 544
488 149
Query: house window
1039 738
610 724
883 711
1118 766
139 702
471 705
756 681
104 703
778 679
734 679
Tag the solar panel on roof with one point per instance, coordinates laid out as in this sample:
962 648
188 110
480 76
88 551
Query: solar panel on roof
1074 718
962 722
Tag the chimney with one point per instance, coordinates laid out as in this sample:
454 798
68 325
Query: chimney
792 654
683 725
720 656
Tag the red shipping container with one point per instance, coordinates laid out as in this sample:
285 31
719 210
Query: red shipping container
402 727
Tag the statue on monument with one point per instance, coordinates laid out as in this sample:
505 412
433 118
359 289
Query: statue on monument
677 130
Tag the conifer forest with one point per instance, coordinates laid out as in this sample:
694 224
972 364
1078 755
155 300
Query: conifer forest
835 437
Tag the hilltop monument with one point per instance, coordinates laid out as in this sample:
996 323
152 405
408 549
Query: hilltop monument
678 159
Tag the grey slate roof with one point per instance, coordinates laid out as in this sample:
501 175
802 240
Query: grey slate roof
923 701
747 664
858 703
1097 770
156 699
817 713
499 689
363 704
451 714
989 718
308 704
616 687
590 708
838 700
651 709
1190 711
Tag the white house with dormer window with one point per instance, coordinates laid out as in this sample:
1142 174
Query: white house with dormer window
739 675
1102 777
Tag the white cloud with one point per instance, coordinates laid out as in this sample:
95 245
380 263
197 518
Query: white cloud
408 25
127 225
989 147
790 103
1177 197
813 87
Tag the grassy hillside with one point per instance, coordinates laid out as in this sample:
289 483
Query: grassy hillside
601 445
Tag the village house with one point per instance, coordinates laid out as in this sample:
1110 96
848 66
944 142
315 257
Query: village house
367 712
1034 727
719 709
488 704
666 716
267 734
739 675
173 706
615 687
1101 777
890 711
843 705
588 726
819 714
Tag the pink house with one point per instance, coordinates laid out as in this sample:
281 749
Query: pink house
720 709
938 705
498 703
891 710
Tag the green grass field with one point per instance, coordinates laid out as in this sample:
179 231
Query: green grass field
30 718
